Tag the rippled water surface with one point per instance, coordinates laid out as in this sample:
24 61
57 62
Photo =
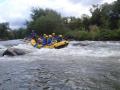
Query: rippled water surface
82 65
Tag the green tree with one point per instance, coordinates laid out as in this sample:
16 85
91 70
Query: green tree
85 22
4 27
106 15
73 23
19 33
45 21
96 15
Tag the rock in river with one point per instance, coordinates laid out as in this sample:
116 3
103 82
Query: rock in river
14 52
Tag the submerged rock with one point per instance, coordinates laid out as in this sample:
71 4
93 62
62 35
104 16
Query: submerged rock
80 44
14 52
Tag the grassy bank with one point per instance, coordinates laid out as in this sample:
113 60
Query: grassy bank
96 35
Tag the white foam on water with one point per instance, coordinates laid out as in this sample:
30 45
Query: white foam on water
2 47
16 58
72 50
23 46
79 51
69 51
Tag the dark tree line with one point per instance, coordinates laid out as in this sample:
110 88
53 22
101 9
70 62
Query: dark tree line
104 24
4 31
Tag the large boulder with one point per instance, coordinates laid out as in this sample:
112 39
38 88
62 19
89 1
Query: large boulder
14 52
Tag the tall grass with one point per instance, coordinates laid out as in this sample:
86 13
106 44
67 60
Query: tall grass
94 34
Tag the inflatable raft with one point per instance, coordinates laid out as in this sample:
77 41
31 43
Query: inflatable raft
56 45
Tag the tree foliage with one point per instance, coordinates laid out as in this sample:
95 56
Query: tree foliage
45 21
4 30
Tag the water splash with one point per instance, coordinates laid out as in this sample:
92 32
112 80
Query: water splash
92 49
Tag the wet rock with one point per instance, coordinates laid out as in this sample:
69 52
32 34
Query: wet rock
14 52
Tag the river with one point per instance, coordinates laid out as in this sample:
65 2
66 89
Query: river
92 66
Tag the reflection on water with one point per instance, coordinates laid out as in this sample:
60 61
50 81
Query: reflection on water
94 66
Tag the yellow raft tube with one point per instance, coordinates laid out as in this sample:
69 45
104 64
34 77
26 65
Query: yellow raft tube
56 45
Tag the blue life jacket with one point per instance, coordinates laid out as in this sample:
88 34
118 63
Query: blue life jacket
49 41
59 39
44 41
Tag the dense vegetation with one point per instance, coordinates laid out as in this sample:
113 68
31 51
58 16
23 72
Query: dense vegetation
104 24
